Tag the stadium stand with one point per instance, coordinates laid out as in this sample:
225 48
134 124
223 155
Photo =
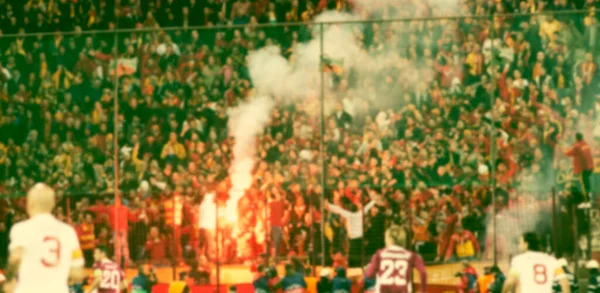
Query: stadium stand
532 80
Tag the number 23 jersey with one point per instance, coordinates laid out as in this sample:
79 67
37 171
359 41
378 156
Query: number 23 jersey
393 268
537 271
50 249
110 275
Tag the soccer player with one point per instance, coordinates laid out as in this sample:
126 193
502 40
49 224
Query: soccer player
44 252
108 276
393 266
533 270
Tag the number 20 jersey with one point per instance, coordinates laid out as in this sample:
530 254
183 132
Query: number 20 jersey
111 276
537 271
50 249
393 268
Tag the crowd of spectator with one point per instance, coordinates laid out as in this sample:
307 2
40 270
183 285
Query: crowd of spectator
508 96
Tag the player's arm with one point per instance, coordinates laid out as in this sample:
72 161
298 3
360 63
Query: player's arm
16 250
124 282
420 266
76 272
372 267
511 280
94 285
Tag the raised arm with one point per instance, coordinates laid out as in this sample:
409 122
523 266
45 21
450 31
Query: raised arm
368 207
337 210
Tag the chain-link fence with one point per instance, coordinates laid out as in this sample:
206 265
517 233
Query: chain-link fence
212 147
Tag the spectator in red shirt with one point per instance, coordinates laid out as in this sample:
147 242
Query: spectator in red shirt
156 246
463 245
276 220
583 164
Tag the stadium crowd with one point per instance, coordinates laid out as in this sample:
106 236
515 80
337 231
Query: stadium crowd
427 161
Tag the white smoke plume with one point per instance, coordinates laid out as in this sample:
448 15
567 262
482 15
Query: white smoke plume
246 122
297 78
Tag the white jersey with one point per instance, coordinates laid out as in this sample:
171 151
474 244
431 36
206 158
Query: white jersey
50 249
537 271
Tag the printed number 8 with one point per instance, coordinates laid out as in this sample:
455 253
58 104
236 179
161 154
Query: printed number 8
52 252
539 274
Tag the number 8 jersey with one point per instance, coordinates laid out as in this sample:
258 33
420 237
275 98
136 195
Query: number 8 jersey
50 249
393 268
537 271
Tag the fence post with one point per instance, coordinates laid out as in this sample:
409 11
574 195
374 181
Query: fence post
575 238
554 245
217 254
322 142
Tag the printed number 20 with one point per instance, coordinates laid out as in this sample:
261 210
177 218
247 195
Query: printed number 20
539 274
391 266
110 279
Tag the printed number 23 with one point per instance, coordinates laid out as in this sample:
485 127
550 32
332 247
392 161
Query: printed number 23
51 252
391 266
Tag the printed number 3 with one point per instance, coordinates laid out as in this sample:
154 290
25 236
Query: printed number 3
539 274
51 252
391 266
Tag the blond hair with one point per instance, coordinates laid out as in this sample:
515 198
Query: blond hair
397 235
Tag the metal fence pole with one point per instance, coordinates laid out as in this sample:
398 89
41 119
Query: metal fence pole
322 143
575 238
217 255
117 241
554 246
493 147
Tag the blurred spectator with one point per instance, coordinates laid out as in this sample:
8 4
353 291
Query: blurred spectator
156 246
324 285
583 164
463 245
340 282
468 279
143 282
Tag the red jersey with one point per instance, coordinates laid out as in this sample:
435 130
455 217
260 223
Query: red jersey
582 157
111 276
393 268
276 213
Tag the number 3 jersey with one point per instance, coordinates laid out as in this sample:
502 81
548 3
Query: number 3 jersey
50 250
537 271
110 275
393 268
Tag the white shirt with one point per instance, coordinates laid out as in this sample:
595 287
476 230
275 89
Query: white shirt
354 221
208 213
50 249
537 271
